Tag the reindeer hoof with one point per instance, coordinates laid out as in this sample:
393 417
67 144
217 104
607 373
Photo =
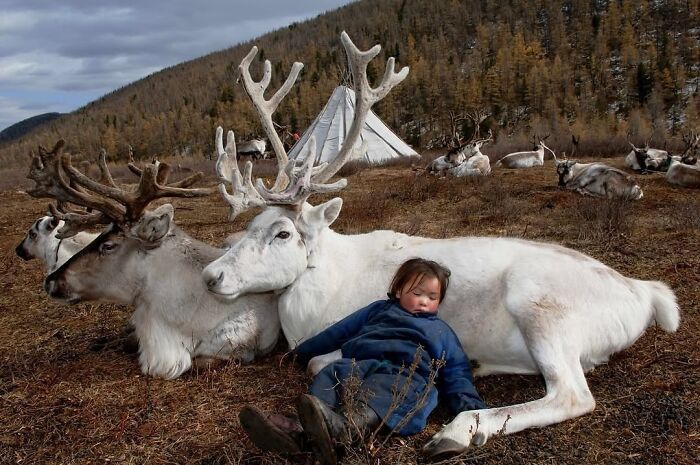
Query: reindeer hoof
130 344
442 448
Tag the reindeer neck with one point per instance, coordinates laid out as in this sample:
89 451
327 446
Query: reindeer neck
190 250
341 260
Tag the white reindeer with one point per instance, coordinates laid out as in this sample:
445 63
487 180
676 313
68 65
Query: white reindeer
254 147
143 259
597 180
518 306
41 243
442 164
525 159
467 159
476 164
684 172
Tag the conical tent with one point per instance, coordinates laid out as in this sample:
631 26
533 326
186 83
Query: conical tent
332 125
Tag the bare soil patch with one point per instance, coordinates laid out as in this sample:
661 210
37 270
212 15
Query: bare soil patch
66 401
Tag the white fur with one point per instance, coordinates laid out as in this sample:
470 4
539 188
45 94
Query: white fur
175 319
518 306
476 164
443 163
524 159
41 243
253 146
684 175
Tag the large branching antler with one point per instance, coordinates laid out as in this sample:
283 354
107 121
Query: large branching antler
294 184
244 196
301 185
365 97
56 178
266 108
53 182
477 117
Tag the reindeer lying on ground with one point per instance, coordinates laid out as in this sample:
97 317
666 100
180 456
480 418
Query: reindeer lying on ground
525 159
684 172
534 308
646 159
443 163
143 259
681 170
597 180
41 243
476 164
254 148
465 160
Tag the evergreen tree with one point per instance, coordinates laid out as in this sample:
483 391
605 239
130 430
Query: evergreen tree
645 83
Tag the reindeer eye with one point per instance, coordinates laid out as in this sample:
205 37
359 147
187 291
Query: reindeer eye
107 247
282 235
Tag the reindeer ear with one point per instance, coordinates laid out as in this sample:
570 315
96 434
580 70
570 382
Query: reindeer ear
323 215
315 218
154 225
53 223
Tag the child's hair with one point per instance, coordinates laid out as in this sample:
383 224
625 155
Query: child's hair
414 270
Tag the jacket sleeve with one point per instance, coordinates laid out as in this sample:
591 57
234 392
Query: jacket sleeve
333 337
455 382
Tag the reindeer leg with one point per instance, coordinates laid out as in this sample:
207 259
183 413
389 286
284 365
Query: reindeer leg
235 338
568 395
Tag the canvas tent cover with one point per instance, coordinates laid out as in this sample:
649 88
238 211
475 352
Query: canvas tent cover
332 125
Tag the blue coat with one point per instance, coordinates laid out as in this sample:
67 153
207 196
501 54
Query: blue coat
379 343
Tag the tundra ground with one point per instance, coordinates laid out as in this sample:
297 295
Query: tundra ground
71 396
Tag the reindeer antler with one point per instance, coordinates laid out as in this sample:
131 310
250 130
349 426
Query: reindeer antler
245 196
293 184
266 108
53 174
365 97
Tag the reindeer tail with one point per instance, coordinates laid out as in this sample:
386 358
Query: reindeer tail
663 302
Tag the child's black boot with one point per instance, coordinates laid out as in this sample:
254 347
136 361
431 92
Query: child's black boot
322 426
328 430
272 432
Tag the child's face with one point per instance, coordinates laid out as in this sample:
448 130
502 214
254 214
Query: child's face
424 297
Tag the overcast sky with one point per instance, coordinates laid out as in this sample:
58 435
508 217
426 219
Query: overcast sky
58 55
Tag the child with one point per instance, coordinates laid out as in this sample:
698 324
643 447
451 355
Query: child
379 343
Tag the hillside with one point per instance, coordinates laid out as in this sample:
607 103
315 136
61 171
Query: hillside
599 69
18 130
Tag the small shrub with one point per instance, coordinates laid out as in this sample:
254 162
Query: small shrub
686 216
499 206
365 213
604 220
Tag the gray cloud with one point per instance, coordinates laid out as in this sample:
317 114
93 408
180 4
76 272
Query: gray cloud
88 46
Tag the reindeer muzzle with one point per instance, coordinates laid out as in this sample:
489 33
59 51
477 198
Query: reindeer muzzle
22 252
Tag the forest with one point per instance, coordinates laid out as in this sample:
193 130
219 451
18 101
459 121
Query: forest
604 71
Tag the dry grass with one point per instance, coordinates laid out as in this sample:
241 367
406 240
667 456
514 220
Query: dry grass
603 221
63 402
